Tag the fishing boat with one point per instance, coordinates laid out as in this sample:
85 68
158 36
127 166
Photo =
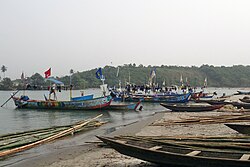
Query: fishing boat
180 98
212 101
244 129
123 106
239 92
240 105
190 107
171 154
245 99
95 103
202 95
81 98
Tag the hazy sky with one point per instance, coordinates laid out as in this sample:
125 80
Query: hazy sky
86 34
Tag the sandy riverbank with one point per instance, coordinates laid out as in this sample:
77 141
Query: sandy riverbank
88 155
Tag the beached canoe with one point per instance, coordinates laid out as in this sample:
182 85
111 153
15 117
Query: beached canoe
246 99
95 103
190 107
240 105
212 101
167 154
244 129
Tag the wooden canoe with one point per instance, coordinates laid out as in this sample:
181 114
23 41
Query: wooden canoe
81 98
131 106
243 92
212 101
245 100
240 105
190 108
244 129
173 155
180 98
95 103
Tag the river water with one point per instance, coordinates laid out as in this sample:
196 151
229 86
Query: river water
18 120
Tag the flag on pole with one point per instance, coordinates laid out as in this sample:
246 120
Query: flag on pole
47 73
98 74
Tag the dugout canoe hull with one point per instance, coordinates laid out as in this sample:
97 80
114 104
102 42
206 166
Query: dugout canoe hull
176 155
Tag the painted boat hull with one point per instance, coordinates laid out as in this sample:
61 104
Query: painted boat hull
202 96
190 108
81 98
175 155
182 98
95 103
133 106
244 129
243 92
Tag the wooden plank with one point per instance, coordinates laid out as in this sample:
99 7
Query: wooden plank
193 153
155 148
245 157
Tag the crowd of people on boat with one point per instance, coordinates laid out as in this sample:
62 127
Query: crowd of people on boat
133 89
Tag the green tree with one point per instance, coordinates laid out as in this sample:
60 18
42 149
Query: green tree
37 80
6 84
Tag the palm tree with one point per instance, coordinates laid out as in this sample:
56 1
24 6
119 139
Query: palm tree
3 69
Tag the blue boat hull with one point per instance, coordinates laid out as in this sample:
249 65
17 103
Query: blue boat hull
181 98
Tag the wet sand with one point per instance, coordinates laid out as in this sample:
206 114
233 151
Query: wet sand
88 155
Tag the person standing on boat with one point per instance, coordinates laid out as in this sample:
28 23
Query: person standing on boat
53 91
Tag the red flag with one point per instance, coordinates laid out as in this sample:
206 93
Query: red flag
47 73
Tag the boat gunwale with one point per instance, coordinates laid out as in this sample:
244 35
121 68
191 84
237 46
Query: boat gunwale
188 158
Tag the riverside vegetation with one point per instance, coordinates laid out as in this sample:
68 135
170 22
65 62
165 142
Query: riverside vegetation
234 76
